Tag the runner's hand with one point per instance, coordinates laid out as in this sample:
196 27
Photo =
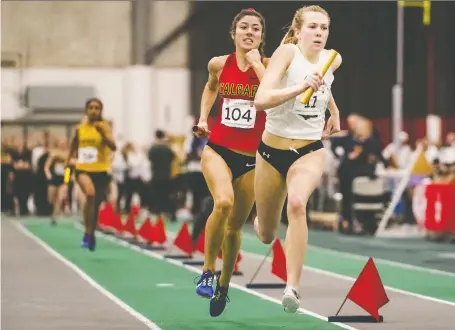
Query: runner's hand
313 80
332 126
203 129
253 57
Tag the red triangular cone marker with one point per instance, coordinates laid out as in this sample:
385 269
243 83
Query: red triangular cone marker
109 214
130 225
145 232
159 231
236 265
368 291
135 209
279 261
104 215
200 246
183 240
116 222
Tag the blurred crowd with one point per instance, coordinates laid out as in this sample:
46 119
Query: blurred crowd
359 152
165 176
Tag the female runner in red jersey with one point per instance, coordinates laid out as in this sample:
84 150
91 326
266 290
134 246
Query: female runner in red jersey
228 159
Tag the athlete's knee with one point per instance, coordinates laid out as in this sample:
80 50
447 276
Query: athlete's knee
223 204
232 232
296 205
266 236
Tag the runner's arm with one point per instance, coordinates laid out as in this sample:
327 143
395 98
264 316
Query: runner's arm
332 106
259 68
211 87
269 95
108 137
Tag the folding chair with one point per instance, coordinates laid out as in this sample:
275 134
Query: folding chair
369 198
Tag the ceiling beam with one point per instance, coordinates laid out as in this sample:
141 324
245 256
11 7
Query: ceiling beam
152 53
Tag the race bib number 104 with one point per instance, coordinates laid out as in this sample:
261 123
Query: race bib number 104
238 113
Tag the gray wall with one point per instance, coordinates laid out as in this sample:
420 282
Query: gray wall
87 33
166 16
68 34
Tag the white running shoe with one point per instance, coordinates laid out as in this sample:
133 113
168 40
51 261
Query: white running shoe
291 300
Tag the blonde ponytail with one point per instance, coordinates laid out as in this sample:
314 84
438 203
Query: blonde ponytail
289 37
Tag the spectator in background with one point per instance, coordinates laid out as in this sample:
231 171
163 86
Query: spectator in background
341 141
146 176
161 157
54 169
445 166
133 180
42 145
40 154
7 178
23 176
178 190
361 153
398 154
448 153
449 141
118 175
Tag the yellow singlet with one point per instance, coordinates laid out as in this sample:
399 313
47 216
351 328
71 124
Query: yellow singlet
5 156
92 153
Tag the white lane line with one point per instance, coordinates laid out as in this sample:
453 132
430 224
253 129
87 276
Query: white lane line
352 279
348 278
376 260
141 318
197 270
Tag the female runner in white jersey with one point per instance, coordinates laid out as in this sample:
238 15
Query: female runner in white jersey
290 158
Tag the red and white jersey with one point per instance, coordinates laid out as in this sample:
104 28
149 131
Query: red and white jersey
238 125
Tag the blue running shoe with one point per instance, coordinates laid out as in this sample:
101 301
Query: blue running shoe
219 299
84 243
204 287
91 242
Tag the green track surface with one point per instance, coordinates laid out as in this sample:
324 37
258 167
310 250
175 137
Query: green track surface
438 286
136 278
